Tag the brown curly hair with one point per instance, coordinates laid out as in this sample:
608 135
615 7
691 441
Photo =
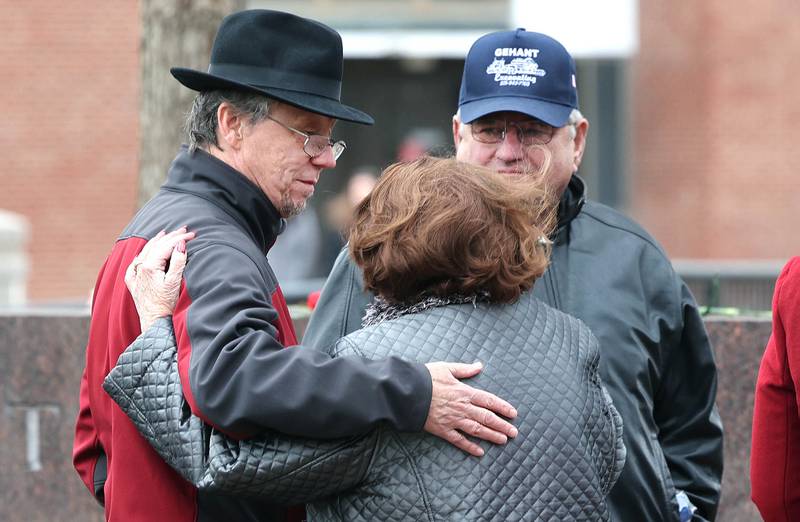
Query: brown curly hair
438 227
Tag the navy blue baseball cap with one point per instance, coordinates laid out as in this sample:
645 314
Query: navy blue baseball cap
518 71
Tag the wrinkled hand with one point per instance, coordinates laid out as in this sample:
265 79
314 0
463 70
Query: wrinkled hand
154 290
458 409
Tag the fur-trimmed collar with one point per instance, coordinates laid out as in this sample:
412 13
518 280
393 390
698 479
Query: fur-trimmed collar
381 310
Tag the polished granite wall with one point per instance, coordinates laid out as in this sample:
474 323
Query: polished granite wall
738 344
41 359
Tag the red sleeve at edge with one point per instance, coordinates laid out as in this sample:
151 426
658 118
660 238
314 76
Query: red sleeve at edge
775 455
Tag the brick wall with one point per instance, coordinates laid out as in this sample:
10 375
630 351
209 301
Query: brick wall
714 109
69 133
715 137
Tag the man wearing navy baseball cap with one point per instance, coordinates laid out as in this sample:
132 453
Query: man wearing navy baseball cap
518 114
522 82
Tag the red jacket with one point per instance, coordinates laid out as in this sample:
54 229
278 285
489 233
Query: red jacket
775 455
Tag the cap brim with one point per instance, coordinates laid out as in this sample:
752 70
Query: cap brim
201 81
553 114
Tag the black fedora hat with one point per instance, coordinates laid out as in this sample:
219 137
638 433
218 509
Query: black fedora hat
280 55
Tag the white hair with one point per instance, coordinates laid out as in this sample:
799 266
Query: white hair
574 117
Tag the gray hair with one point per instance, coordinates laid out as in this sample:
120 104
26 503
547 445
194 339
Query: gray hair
574 117
201 123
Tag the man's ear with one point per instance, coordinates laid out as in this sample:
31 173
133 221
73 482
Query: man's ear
456 131
229 126
581 128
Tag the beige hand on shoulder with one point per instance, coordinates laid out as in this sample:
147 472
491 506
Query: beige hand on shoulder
154 276
458 410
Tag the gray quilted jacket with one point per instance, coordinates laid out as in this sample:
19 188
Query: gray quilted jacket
567 455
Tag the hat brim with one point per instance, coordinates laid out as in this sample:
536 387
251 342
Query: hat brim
201 81
551 113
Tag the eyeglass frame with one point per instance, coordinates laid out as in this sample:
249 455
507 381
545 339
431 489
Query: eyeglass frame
515 125
337 146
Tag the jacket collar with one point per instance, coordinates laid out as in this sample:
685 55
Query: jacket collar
380 310
572 201
210 178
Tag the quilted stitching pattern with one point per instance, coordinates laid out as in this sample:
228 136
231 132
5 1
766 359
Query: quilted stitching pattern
566 458
146 385
569 451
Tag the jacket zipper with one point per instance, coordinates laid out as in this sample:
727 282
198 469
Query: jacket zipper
549 281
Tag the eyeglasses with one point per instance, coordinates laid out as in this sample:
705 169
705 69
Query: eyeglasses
315 144
529 132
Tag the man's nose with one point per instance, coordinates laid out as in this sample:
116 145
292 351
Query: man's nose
510 149
325 160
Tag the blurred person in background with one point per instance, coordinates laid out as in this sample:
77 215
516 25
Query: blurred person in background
339 209
259 137
775 455
519 96
338 213
419 142
451 250
298 251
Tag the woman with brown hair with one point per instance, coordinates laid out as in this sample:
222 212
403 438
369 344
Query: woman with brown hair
440 227
450 249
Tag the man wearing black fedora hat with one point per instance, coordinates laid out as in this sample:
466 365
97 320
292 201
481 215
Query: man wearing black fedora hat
259 137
